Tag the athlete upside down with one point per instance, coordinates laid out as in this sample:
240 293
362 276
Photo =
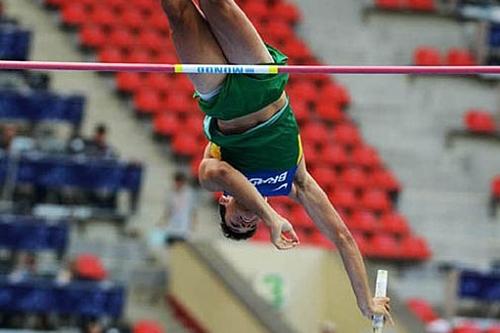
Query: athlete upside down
255 149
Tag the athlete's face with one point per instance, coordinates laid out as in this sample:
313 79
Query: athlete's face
238 218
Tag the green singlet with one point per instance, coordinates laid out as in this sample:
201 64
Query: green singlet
268 151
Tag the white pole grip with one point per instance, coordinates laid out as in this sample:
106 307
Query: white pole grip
380 291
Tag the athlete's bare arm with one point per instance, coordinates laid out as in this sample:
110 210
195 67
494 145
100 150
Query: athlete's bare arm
310 195
219 176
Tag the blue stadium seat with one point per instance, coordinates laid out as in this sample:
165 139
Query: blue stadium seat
14 42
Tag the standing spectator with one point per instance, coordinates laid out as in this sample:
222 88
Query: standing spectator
180 211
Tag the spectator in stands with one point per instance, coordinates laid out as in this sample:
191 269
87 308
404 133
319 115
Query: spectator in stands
9 132
25 266
98 144
180 211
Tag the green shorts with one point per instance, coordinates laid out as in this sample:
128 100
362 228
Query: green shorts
243 94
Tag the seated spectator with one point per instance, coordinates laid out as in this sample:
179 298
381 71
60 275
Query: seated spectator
8 134
25 267
98 144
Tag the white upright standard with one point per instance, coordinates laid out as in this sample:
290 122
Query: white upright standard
380 291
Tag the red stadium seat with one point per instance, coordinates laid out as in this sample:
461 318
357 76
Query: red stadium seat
299 218
256 10
129 82
305 91
111 54
460 57
479 121
315 133
311 153
179 104
361 241
422 5
467 328
354 177
495 187
394 223
278 31
366 157
90 267
344 198
147 101
335 155
122 38
493 329
158 22
139 55
161 82
389 4
376 201
325 176
347 135
132 19
301 110
427 56
103 16
363 221
147 326
74 14
335 93
383 246
385 180
166 125
318 239
152 40
414 248
330 112
185 144
287 11
92 36
297 50
422 309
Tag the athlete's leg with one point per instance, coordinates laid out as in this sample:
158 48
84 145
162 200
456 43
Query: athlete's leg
234 32
194 41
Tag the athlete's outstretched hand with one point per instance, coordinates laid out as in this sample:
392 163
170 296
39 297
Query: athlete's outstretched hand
283 235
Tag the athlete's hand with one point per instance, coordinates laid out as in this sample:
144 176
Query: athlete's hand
283 235
381 306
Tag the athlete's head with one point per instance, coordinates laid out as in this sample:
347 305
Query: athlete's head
237 222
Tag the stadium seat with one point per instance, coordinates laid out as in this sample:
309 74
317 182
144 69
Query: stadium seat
147 326
301 110
344 198
152 40
315 133
110 54
131 19
122 38
92 36
335 93
361 241
394 223
467 328
422 309
139 55
147 101
495 187
493 329
287 11
376 201
330 112
347 135
389 4
74 14
414 248
335 155
422 5
127 82
354 177
383 246
166 125
479 121
179 104
102 16
366 157
363 221
185 145
385 180
325 176
305 91
459 57
299 217
318 239
312 153
427 56
89 267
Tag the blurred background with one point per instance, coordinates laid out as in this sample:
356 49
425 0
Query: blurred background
104 229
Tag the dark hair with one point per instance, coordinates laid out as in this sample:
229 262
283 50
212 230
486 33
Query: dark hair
101 128
180 176
230 233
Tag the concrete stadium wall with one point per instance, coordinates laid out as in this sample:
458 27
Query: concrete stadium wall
317 286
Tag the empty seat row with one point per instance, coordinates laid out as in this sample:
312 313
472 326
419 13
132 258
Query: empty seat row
431 56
